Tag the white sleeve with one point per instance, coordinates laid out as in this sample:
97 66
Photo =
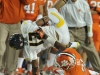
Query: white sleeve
88 17
56 17
88 20
51 40
51 16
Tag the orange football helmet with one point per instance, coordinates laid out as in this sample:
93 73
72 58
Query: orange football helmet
65 61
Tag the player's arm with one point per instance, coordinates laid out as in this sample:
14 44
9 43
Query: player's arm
59 3
41 12
41 9
45 8
51 40
42 21
54 42
88 20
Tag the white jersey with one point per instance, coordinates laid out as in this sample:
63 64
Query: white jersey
32 45
59 26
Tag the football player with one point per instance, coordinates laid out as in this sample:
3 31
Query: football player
33 11
95 10
70 63
34 46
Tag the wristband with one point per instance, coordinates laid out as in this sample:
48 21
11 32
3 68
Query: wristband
51 40
90 34
39 16
45 36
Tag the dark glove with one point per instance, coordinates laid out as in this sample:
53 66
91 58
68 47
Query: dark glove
41 34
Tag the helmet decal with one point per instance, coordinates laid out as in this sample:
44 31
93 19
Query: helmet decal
65 60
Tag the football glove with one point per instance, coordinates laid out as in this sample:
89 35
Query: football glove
41 34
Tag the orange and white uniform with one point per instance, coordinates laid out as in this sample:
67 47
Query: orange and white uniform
50 3
95 4
11 11
71 63
42 2
31 10
79 67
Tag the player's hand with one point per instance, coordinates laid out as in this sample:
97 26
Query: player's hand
41 34
99 53
46 19
90 40
42 21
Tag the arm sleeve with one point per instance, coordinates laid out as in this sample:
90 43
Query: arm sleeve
51 14
56 17
51 40
88 20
